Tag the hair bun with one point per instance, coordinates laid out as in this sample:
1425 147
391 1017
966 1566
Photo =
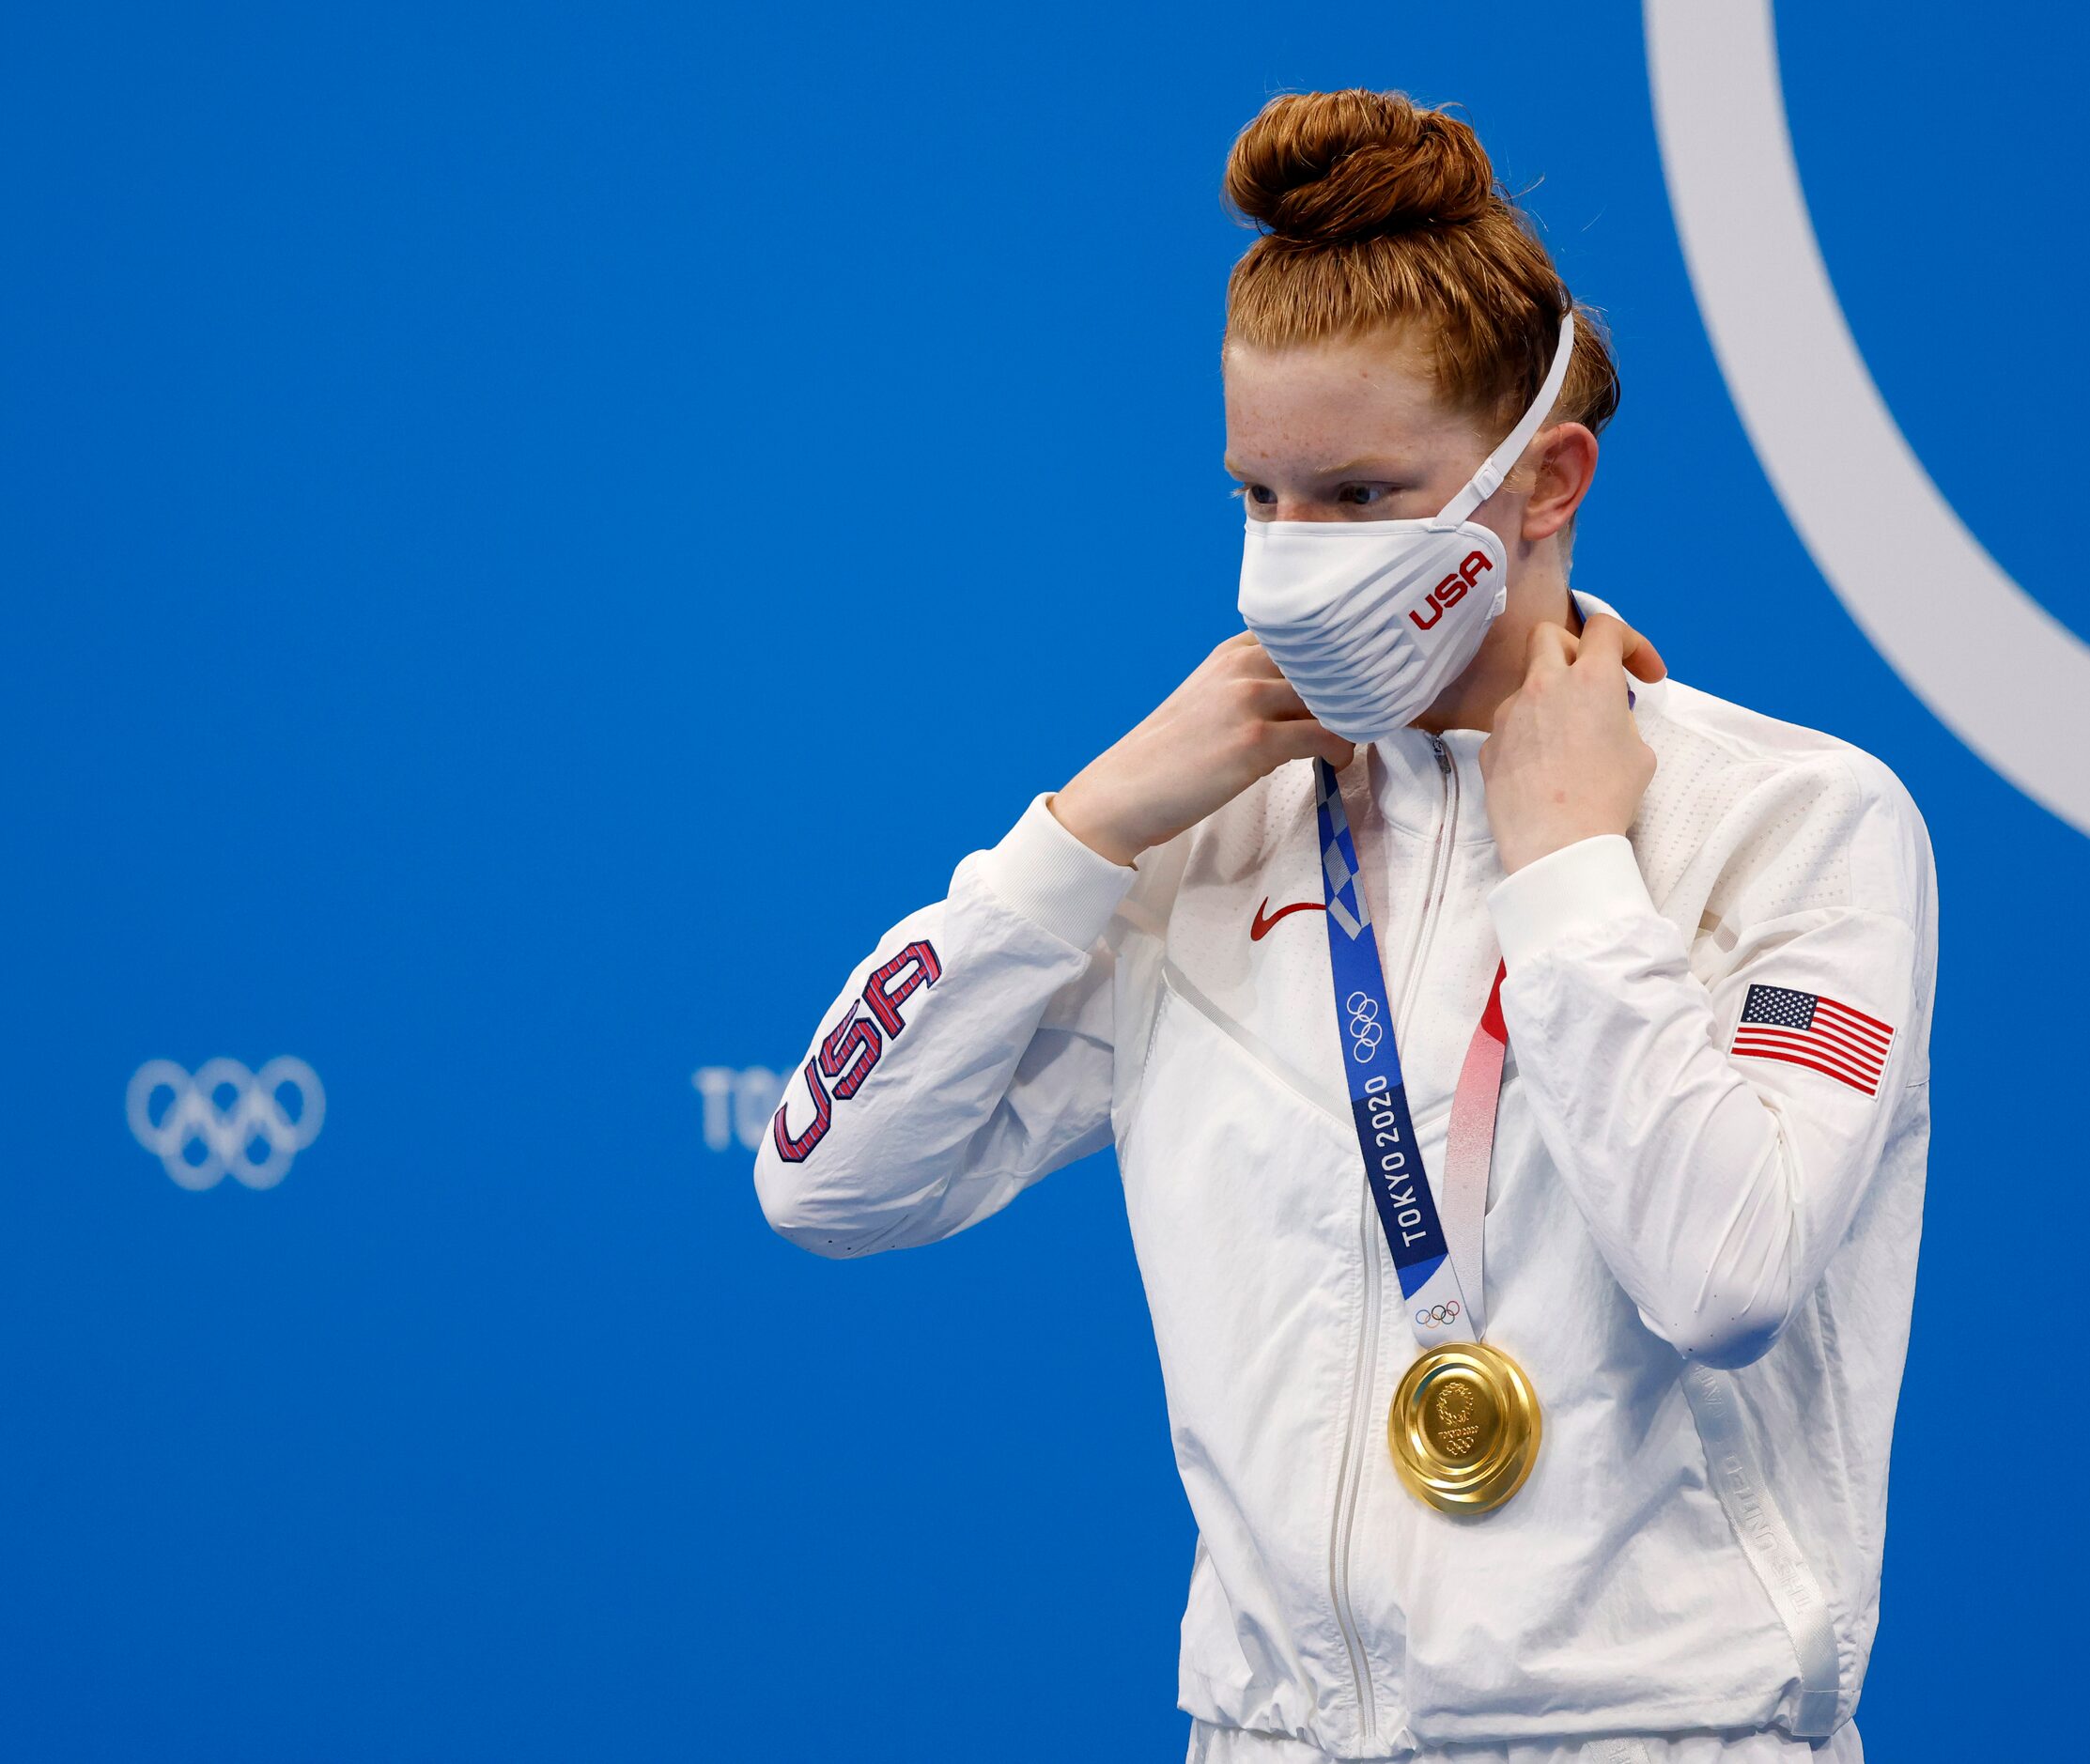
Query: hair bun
1321 167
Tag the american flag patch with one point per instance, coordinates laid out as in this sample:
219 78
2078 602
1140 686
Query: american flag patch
1809 1029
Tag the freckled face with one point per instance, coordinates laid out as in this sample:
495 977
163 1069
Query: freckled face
1345 429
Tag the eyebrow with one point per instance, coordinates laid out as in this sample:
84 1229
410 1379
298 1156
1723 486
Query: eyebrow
1366 467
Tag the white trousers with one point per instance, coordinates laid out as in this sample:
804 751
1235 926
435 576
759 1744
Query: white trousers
1210 1744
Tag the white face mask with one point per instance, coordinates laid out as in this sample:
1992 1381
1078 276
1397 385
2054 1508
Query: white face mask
1369 620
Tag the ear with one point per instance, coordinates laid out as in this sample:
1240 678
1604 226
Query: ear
1567 464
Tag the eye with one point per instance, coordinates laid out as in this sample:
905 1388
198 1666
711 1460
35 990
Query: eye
1363 490
1259 493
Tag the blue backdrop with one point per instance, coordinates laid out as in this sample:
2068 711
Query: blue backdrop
532 534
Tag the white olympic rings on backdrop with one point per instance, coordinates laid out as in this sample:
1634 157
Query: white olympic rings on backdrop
1905 567
226 1134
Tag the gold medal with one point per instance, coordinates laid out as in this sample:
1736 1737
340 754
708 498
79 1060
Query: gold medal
1463 1427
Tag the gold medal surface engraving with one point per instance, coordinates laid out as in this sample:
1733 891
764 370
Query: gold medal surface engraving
1463 1427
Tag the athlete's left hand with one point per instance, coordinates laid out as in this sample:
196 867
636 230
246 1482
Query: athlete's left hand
1564 760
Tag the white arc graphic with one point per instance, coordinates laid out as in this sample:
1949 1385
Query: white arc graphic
193 1115
1997 669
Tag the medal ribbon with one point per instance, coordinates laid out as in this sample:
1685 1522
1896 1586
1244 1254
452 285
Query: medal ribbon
1422 1241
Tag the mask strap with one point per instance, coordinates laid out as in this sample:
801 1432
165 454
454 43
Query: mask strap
1485 482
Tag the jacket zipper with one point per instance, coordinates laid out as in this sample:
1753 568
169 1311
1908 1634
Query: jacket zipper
1351 1477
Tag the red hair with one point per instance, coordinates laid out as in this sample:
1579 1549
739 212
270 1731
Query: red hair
1377 213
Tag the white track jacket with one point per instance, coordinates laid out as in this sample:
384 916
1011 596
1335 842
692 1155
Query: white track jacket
1700 1236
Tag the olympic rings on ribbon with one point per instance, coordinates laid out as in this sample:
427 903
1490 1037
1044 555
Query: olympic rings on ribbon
1438 1315
1366 1030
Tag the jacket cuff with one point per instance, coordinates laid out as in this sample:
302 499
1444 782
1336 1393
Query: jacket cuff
1593 882
1041 870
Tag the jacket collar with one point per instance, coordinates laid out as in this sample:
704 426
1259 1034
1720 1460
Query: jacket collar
1409 782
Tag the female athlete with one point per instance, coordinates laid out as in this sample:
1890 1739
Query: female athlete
1516 1058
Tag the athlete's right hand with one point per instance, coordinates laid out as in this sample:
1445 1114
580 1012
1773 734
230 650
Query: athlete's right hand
1235 719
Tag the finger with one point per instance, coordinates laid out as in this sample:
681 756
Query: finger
1302 737
1604 640
1251 661
1636 651
1638 656
1229 647
1642 660
1338 750
1237 665
1275 699
1549 648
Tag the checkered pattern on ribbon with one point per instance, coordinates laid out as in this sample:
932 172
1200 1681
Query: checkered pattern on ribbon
1346 902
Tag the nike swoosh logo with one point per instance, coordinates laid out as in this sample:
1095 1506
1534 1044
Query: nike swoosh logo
1260 929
